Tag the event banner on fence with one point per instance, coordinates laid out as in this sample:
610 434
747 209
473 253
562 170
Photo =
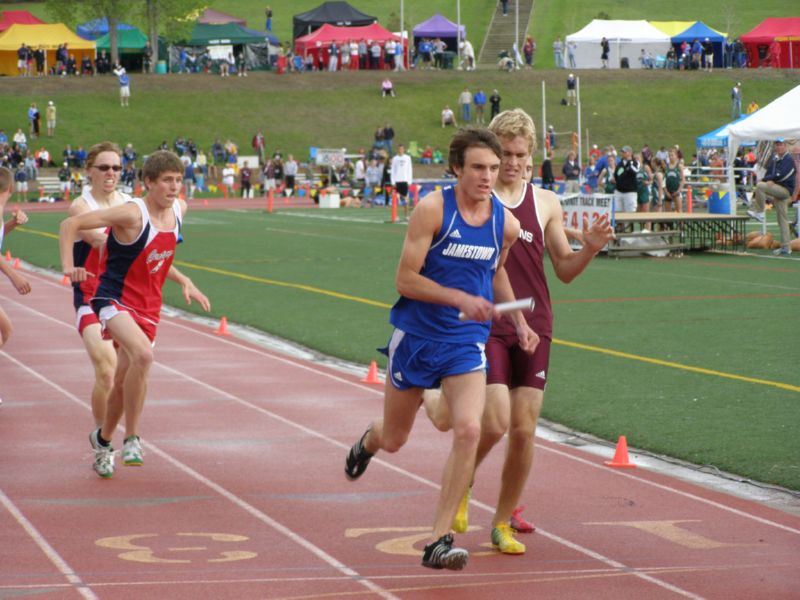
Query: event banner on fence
594 206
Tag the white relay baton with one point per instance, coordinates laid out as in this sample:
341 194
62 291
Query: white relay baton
507 307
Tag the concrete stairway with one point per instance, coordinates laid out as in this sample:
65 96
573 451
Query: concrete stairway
501 35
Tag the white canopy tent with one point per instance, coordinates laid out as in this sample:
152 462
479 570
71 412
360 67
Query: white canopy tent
626 40
778 119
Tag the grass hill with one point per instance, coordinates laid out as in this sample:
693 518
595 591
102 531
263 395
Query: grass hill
343 109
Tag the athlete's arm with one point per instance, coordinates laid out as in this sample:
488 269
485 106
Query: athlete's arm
503 292
425 222
17 280
568 264
93 237
190 291
18 217
126 220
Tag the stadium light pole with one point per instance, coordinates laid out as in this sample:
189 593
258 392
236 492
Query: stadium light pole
578 107
402 39
458 33
516 29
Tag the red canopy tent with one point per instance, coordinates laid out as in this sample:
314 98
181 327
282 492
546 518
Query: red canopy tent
23 17
774 42
321 39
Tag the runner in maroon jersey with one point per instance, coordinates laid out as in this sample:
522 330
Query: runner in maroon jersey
140 248
516 379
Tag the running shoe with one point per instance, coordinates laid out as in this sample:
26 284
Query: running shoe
441 555
103 456
518 523
358 458
132 452
461 520
758 216
782 251
503 540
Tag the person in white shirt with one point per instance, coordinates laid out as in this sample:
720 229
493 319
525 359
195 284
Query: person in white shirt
448 117
402 174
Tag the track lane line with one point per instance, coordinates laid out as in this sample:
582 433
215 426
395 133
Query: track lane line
52 555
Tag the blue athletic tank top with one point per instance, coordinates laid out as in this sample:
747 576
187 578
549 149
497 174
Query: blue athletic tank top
461 256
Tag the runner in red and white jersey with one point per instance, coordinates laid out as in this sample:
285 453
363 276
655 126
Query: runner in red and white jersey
103 168
516 379
140 248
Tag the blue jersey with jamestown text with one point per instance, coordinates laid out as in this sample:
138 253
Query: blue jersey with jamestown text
461 256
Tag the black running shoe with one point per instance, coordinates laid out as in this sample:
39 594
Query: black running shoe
441 555
357 459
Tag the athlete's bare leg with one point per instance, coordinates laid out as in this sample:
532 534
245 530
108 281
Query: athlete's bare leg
526 404
465 395
104 360
134 360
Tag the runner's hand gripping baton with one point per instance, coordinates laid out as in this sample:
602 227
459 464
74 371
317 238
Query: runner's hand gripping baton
507 307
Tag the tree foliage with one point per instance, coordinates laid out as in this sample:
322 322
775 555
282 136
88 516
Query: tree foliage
171 19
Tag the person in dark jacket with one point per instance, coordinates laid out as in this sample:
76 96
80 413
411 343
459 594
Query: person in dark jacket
778 184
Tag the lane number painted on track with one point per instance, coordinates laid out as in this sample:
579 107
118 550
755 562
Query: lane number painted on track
161 550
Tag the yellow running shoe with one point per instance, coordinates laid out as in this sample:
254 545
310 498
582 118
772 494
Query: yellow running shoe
503 540
461 520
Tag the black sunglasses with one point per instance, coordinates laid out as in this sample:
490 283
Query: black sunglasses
104 168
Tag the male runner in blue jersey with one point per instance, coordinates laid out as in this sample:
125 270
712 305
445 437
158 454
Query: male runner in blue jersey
452 261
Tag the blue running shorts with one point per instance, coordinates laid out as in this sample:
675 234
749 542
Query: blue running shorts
416 362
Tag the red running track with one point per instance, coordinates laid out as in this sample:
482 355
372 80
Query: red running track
243 495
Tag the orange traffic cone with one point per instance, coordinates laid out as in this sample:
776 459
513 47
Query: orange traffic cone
223 327
8 255
16 263
372 374
620 459
205 202
65 280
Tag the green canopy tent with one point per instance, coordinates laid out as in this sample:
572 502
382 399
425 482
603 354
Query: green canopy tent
130 45
211 43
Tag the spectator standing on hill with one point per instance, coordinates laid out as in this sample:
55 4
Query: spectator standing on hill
480 104
736 100
50 115
41 57
625 178
402 175
697 54
373 179
571 47
228 174
558 53
605 48
268 14
465 100
124 85
504 6
572 95
528 49
708 55
22 61
362 54
35 118
375 56
591 173
778 184
494 101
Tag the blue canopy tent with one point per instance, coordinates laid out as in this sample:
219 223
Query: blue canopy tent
700 31
98 28
718 138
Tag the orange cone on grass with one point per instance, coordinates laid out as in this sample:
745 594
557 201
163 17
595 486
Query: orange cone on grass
620 460
223 327
8 255
65 280
372 374
16 263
